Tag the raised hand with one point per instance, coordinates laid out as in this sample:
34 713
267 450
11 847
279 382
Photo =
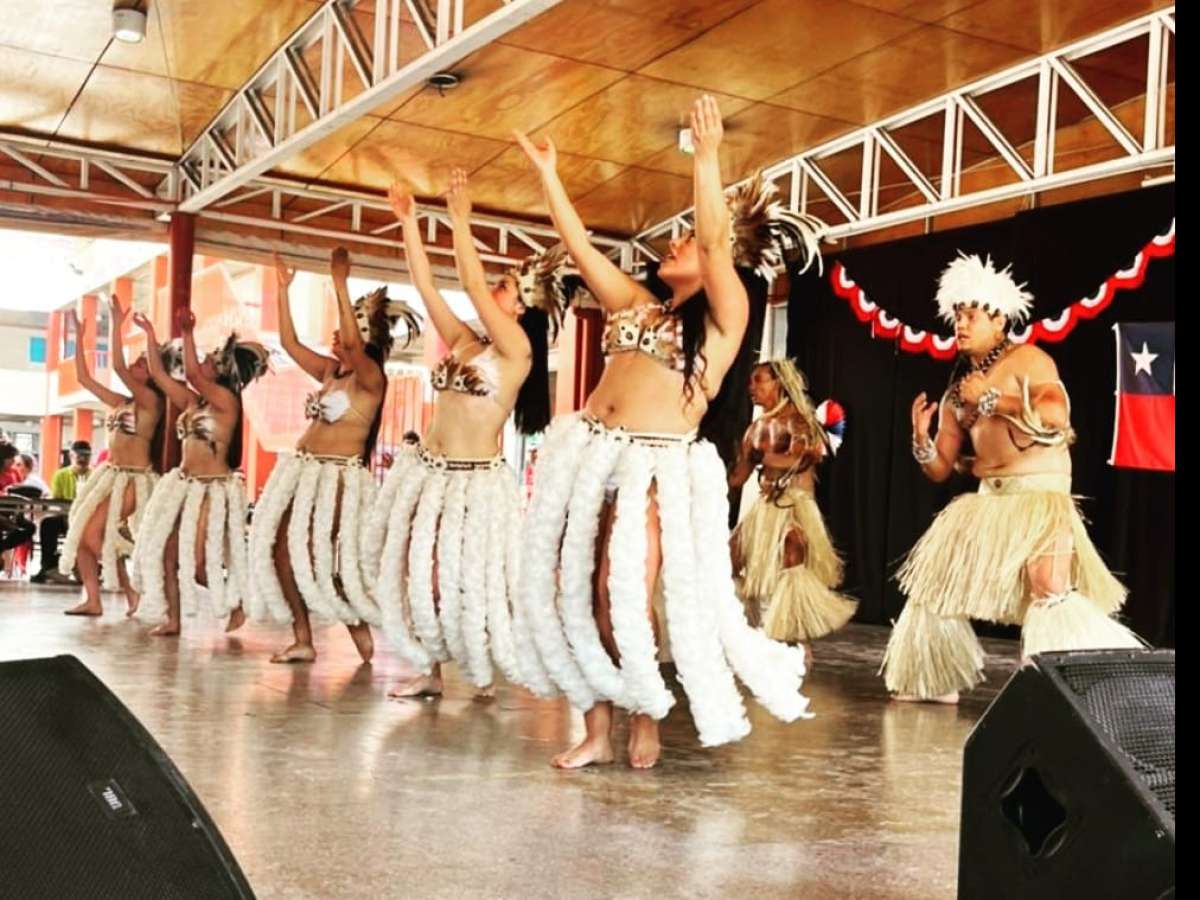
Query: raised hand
458 197
283 273
544 157
707 126
186 320
339 264
145 325
922 416
401 199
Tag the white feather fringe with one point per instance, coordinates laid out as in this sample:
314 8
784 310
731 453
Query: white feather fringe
392 585
632 629
449 552
692 616
478 544
107 482
422 542
710 639
266 594
773 671
577 565
554 478
358 493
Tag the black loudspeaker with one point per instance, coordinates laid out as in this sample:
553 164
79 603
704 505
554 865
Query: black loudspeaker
1069 782
90 805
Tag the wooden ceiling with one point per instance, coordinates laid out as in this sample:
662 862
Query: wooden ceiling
609 80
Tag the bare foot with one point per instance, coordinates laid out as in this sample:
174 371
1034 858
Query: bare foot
363 642
593 751
237 619
86 608
945 699
644 746
417 686
132 600
297 653
485 694
166 629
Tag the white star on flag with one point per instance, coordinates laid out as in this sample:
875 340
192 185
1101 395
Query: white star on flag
1142 361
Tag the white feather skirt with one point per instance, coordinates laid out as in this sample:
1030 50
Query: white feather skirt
441 552
176 506
327 498
709 639
106 482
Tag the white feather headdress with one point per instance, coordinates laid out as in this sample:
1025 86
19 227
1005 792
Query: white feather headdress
971 281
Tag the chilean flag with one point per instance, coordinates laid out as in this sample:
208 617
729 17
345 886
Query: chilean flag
1144 433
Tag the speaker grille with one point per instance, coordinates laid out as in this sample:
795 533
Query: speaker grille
1134 703
90 807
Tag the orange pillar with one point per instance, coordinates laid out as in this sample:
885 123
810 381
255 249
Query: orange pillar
52 434
82 425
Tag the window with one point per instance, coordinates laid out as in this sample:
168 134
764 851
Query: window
37 349
68 338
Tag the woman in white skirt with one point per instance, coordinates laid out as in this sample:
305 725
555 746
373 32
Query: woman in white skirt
628 491
192 541
108 508
305 531
442 546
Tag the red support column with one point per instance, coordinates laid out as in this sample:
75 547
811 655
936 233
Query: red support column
181 234
580 359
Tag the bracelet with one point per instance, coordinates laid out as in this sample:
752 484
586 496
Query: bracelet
989 400
924 452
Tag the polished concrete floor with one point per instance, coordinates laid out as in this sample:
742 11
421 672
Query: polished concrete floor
326 789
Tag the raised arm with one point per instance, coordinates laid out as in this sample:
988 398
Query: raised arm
366 371
948 443
612 288
83 375
220 398
315 364
448 326
728 304
507 336
142 392
174 391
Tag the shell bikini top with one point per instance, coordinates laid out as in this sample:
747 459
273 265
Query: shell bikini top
648 329
477 377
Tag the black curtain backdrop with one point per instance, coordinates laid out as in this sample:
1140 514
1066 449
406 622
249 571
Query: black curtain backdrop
875 499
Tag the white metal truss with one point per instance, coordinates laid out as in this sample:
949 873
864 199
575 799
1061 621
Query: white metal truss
279 205
50 169
287 106
797 176
268 204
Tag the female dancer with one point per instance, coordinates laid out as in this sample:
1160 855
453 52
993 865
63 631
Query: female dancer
627 486
304 536
789 569
113 498
192 540
443 543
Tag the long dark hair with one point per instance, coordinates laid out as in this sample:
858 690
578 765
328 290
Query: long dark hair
378 355
729 412
159 440
234 454
532 410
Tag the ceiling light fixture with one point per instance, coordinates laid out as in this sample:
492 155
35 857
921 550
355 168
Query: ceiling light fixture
444 81
686 145
128 22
